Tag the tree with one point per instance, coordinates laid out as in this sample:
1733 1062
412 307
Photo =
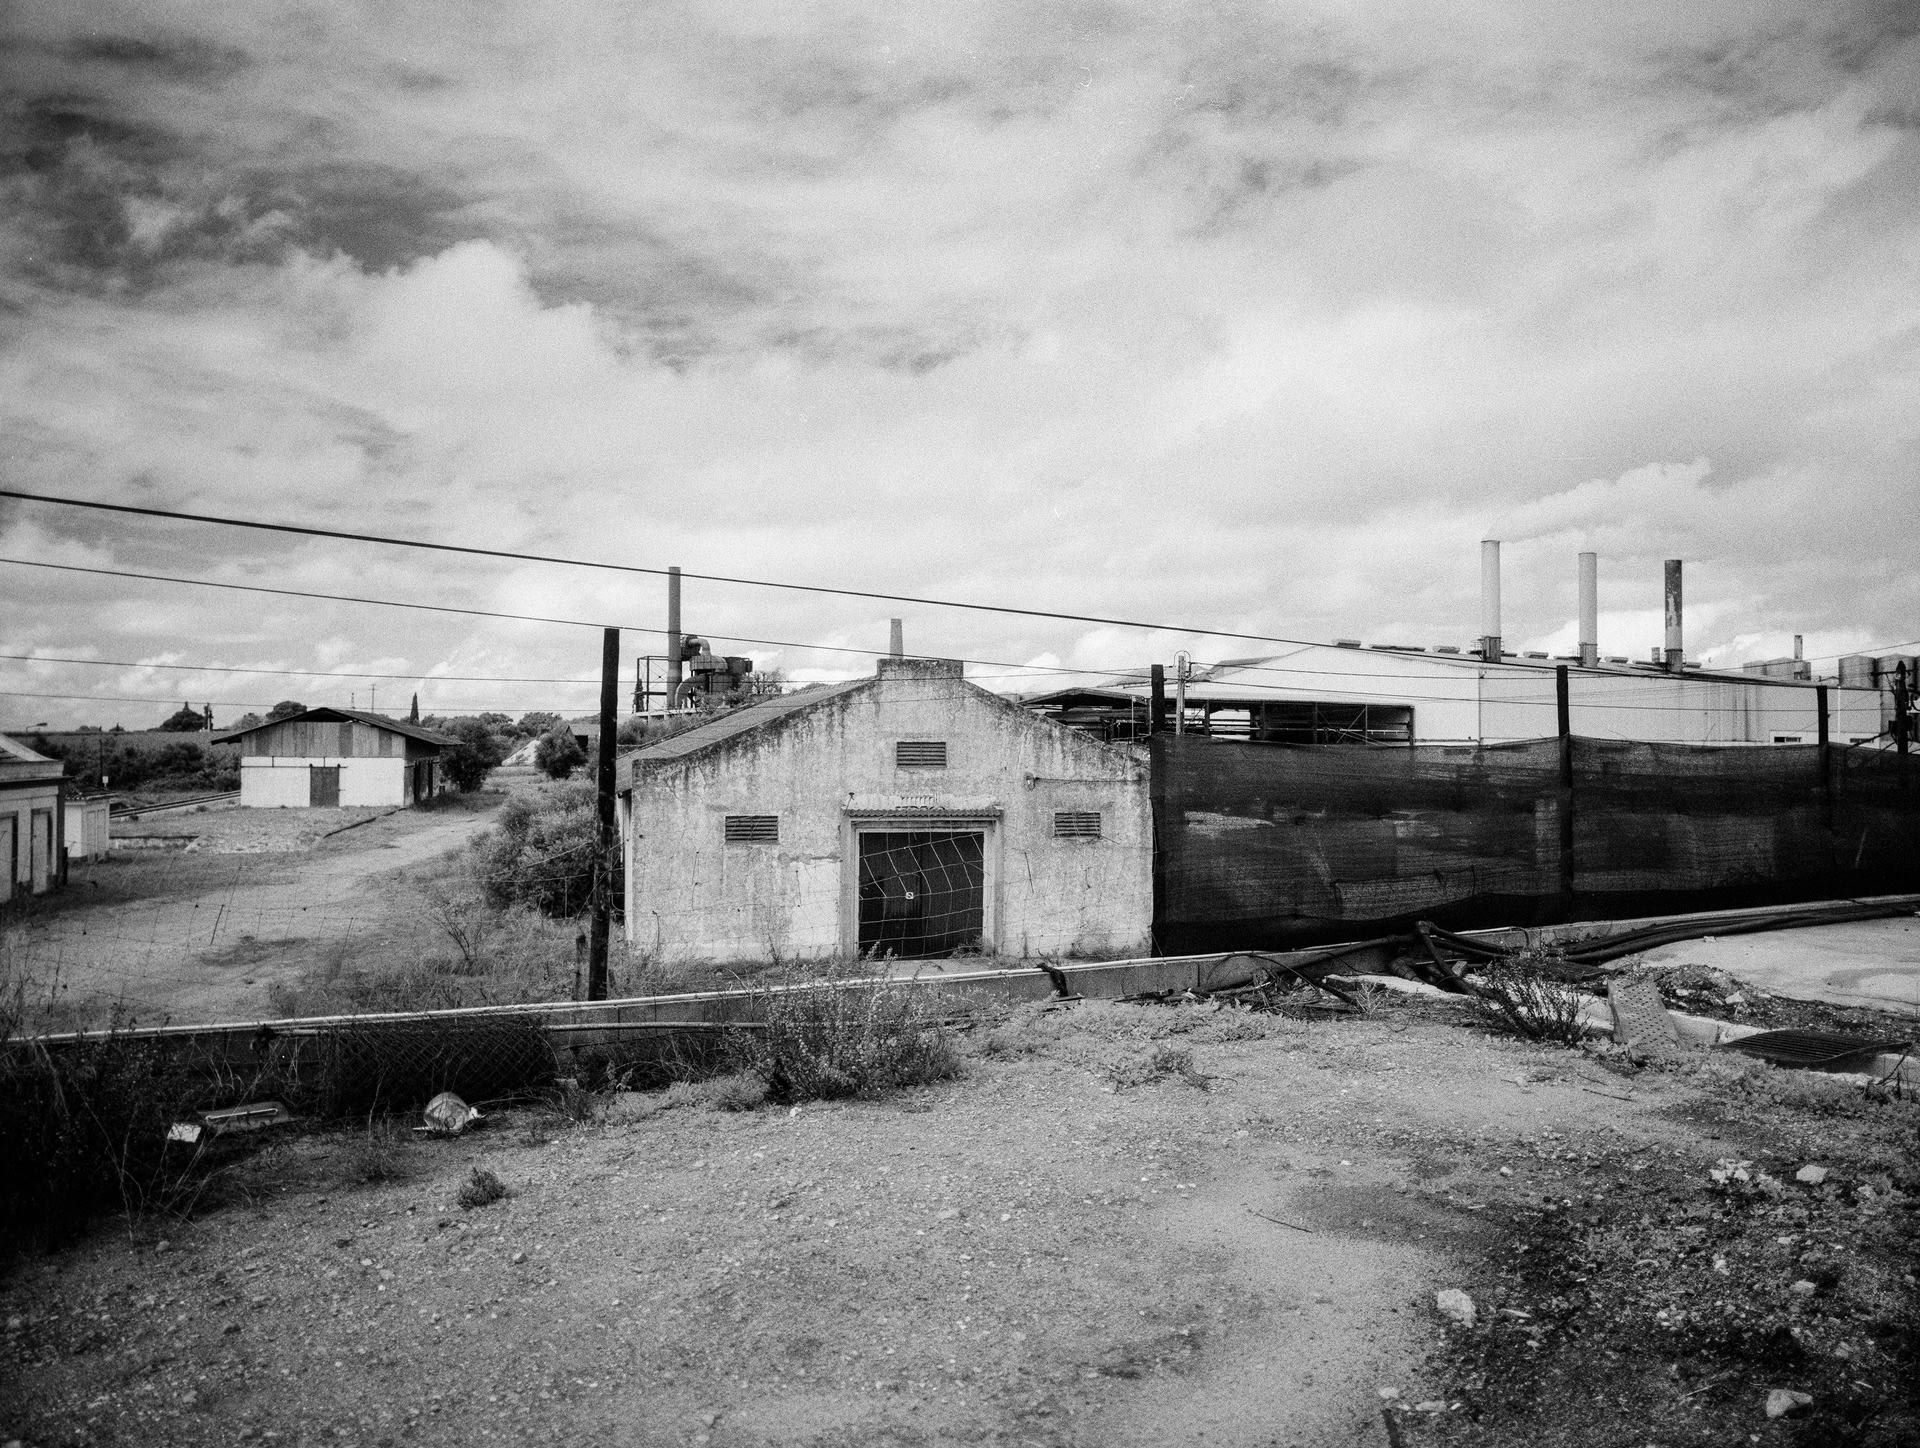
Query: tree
248 721
185 720
473 755
285 709
413 714
559 753
539 722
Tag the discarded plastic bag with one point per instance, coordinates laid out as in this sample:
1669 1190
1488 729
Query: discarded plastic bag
448 1115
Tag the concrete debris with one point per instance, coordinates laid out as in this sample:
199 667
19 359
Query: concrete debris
1811 1175
1455 1306
1640 1019
1782 1401
1804 1288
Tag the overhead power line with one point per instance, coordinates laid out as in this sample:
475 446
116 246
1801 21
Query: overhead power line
296 673
515 556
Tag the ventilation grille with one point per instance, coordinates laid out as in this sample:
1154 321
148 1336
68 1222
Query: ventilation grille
753 829
1076 824
921 754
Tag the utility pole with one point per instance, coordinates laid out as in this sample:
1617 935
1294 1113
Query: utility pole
603 832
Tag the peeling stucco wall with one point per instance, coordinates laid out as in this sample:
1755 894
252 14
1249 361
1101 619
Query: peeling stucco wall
690 895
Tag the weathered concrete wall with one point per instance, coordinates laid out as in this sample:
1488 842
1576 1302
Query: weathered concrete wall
827 770
282 782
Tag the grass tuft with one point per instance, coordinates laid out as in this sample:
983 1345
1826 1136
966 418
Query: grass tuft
846 1035
1520 996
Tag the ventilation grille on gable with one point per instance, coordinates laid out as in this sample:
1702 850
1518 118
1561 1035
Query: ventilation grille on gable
753 829
921 754
1076 824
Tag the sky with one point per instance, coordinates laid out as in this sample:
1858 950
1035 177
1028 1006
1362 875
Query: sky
1235 317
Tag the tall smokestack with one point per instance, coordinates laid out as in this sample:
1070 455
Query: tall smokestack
1490 599
1674 646
896 639
1589 610
1796 648
673 636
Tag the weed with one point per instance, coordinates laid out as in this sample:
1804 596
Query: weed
576 1104
382 1153
1520 996
1160 1062
847 1035
482 1189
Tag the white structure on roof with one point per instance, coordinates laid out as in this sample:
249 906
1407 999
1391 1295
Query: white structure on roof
330 758
1323 693
32 830
911 814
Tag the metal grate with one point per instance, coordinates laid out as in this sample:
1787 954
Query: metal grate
753 829
921 754
1076 824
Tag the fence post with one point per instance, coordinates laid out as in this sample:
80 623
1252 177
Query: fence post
1564 711
1157 707
1902 718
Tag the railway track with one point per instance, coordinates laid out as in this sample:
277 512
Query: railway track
136 811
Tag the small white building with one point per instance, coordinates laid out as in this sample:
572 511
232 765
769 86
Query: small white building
88 827
32 831
334 758
1333 694
911 814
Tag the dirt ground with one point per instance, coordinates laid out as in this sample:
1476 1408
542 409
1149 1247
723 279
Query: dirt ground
204 934
1078 1242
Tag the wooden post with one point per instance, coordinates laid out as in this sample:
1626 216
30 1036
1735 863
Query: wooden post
1564 711
1157 702
604 842
1902 718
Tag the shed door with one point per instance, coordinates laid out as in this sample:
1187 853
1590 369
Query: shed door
921 893
42 849
323 785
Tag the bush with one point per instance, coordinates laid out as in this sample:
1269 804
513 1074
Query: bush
542 853
482 1189
1519 994
558 753
844 1036
474 754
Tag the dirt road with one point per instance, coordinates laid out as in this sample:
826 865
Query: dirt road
202 935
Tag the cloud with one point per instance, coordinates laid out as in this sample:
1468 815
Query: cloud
1246 320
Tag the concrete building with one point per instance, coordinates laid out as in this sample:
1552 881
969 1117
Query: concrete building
911 813
333 758
32 830
1387 694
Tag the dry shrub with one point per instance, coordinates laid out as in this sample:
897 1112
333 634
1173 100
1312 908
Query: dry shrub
1159 1064
382 1153
1521 996
845 1035
482 1189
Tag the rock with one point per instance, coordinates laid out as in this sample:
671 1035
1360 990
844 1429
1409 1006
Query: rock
1455 1306
1804 1288
1782 1401
948 1214
1430 1405
518 1258
1811 1175
1389 1395
1506 1171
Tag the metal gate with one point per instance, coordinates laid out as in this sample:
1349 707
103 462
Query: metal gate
323 785
922 892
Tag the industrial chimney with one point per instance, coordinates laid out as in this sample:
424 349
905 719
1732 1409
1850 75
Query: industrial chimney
1589 610
896 639
1490 599
1674 647
673 637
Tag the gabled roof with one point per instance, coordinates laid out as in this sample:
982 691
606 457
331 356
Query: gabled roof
13 751
328 714
741 721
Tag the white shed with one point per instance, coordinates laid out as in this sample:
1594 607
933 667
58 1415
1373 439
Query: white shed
32 829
